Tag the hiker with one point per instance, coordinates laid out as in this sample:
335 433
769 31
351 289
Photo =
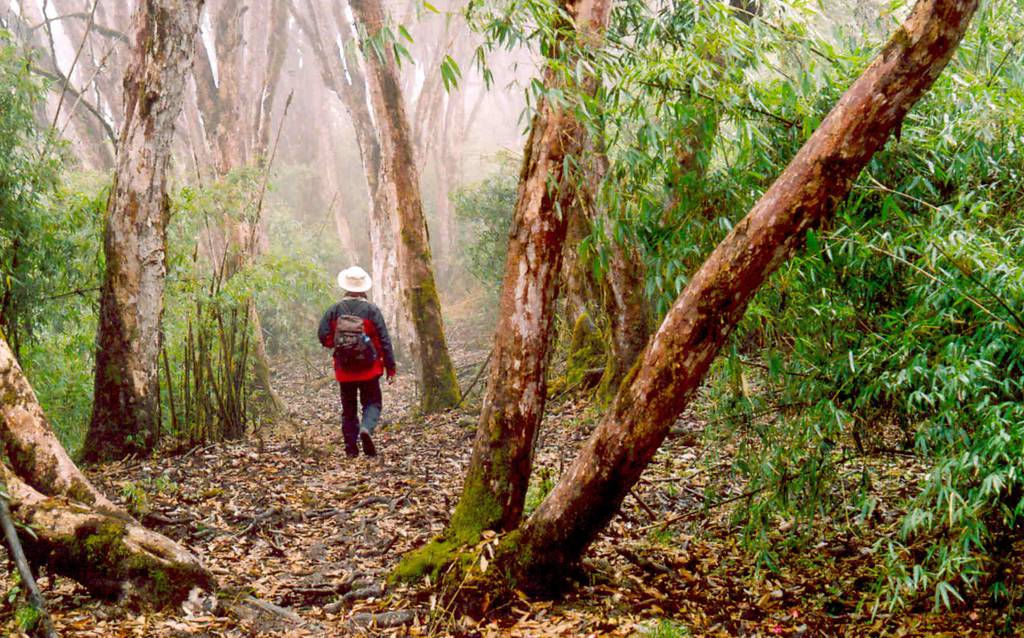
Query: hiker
355 329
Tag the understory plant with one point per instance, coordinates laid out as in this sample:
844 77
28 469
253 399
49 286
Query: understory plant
898 331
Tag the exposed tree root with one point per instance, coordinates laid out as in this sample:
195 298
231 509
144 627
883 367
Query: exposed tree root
78 532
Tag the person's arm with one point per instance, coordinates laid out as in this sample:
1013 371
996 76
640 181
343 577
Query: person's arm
385 341
324 332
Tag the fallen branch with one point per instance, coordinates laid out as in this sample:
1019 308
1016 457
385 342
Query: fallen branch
372 500
79 533
384 620
276 610
646 564
35 597
476 379
361 594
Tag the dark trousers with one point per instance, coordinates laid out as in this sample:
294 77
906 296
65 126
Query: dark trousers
368 394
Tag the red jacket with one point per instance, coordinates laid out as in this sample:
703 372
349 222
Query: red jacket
373 326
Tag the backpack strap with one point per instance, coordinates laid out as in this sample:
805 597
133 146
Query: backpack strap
345 306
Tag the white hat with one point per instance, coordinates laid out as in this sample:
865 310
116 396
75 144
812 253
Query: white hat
354 279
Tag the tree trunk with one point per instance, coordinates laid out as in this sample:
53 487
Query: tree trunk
77 531
344 232
230 133
332 195
349 84
806 193
577 278
236 138
628 309
399 177
625 300
498 476
125 417
276 53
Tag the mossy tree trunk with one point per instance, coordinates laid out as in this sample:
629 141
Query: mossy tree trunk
629 310
78 532
495 486
125 416
538 554
582 295
622 296
399 183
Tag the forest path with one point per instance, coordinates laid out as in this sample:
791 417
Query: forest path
289 519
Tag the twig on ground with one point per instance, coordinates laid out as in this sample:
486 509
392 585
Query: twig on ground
643 505
384 620
643 563
476 379
35 597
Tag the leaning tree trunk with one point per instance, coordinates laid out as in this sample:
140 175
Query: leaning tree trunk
77 532
125 416
499 472
806 193
399 177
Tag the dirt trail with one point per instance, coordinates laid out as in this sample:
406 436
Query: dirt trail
288 519
292 520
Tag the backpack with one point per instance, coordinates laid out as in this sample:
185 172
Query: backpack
353 348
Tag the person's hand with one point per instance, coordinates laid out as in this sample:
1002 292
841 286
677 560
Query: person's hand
391 375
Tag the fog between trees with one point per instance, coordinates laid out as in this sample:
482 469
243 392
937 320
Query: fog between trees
795 223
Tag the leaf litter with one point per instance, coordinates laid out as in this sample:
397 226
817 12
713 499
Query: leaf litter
301 538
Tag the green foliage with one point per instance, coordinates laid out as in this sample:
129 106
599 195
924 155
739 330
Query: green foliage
540 485
50 256
58 358
664 629
207 378
485 210
137 495
29 260
26 617
898 330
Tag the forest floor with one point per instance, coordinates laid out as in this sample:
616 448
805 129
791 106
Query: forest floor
287 519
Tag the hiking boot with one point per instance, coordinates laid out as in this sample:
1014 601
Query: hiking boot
368 447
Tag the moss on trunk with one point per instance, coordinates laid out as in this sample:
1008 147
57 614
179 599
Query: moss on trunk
477 511
108 553
585 359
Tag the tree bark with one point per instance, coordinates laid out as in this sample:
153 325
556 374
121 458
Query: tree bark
236 139
806 193
349 84
625 299
580 288
125 417
230 135
276 50
78 531
495 487
629 310
399 183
